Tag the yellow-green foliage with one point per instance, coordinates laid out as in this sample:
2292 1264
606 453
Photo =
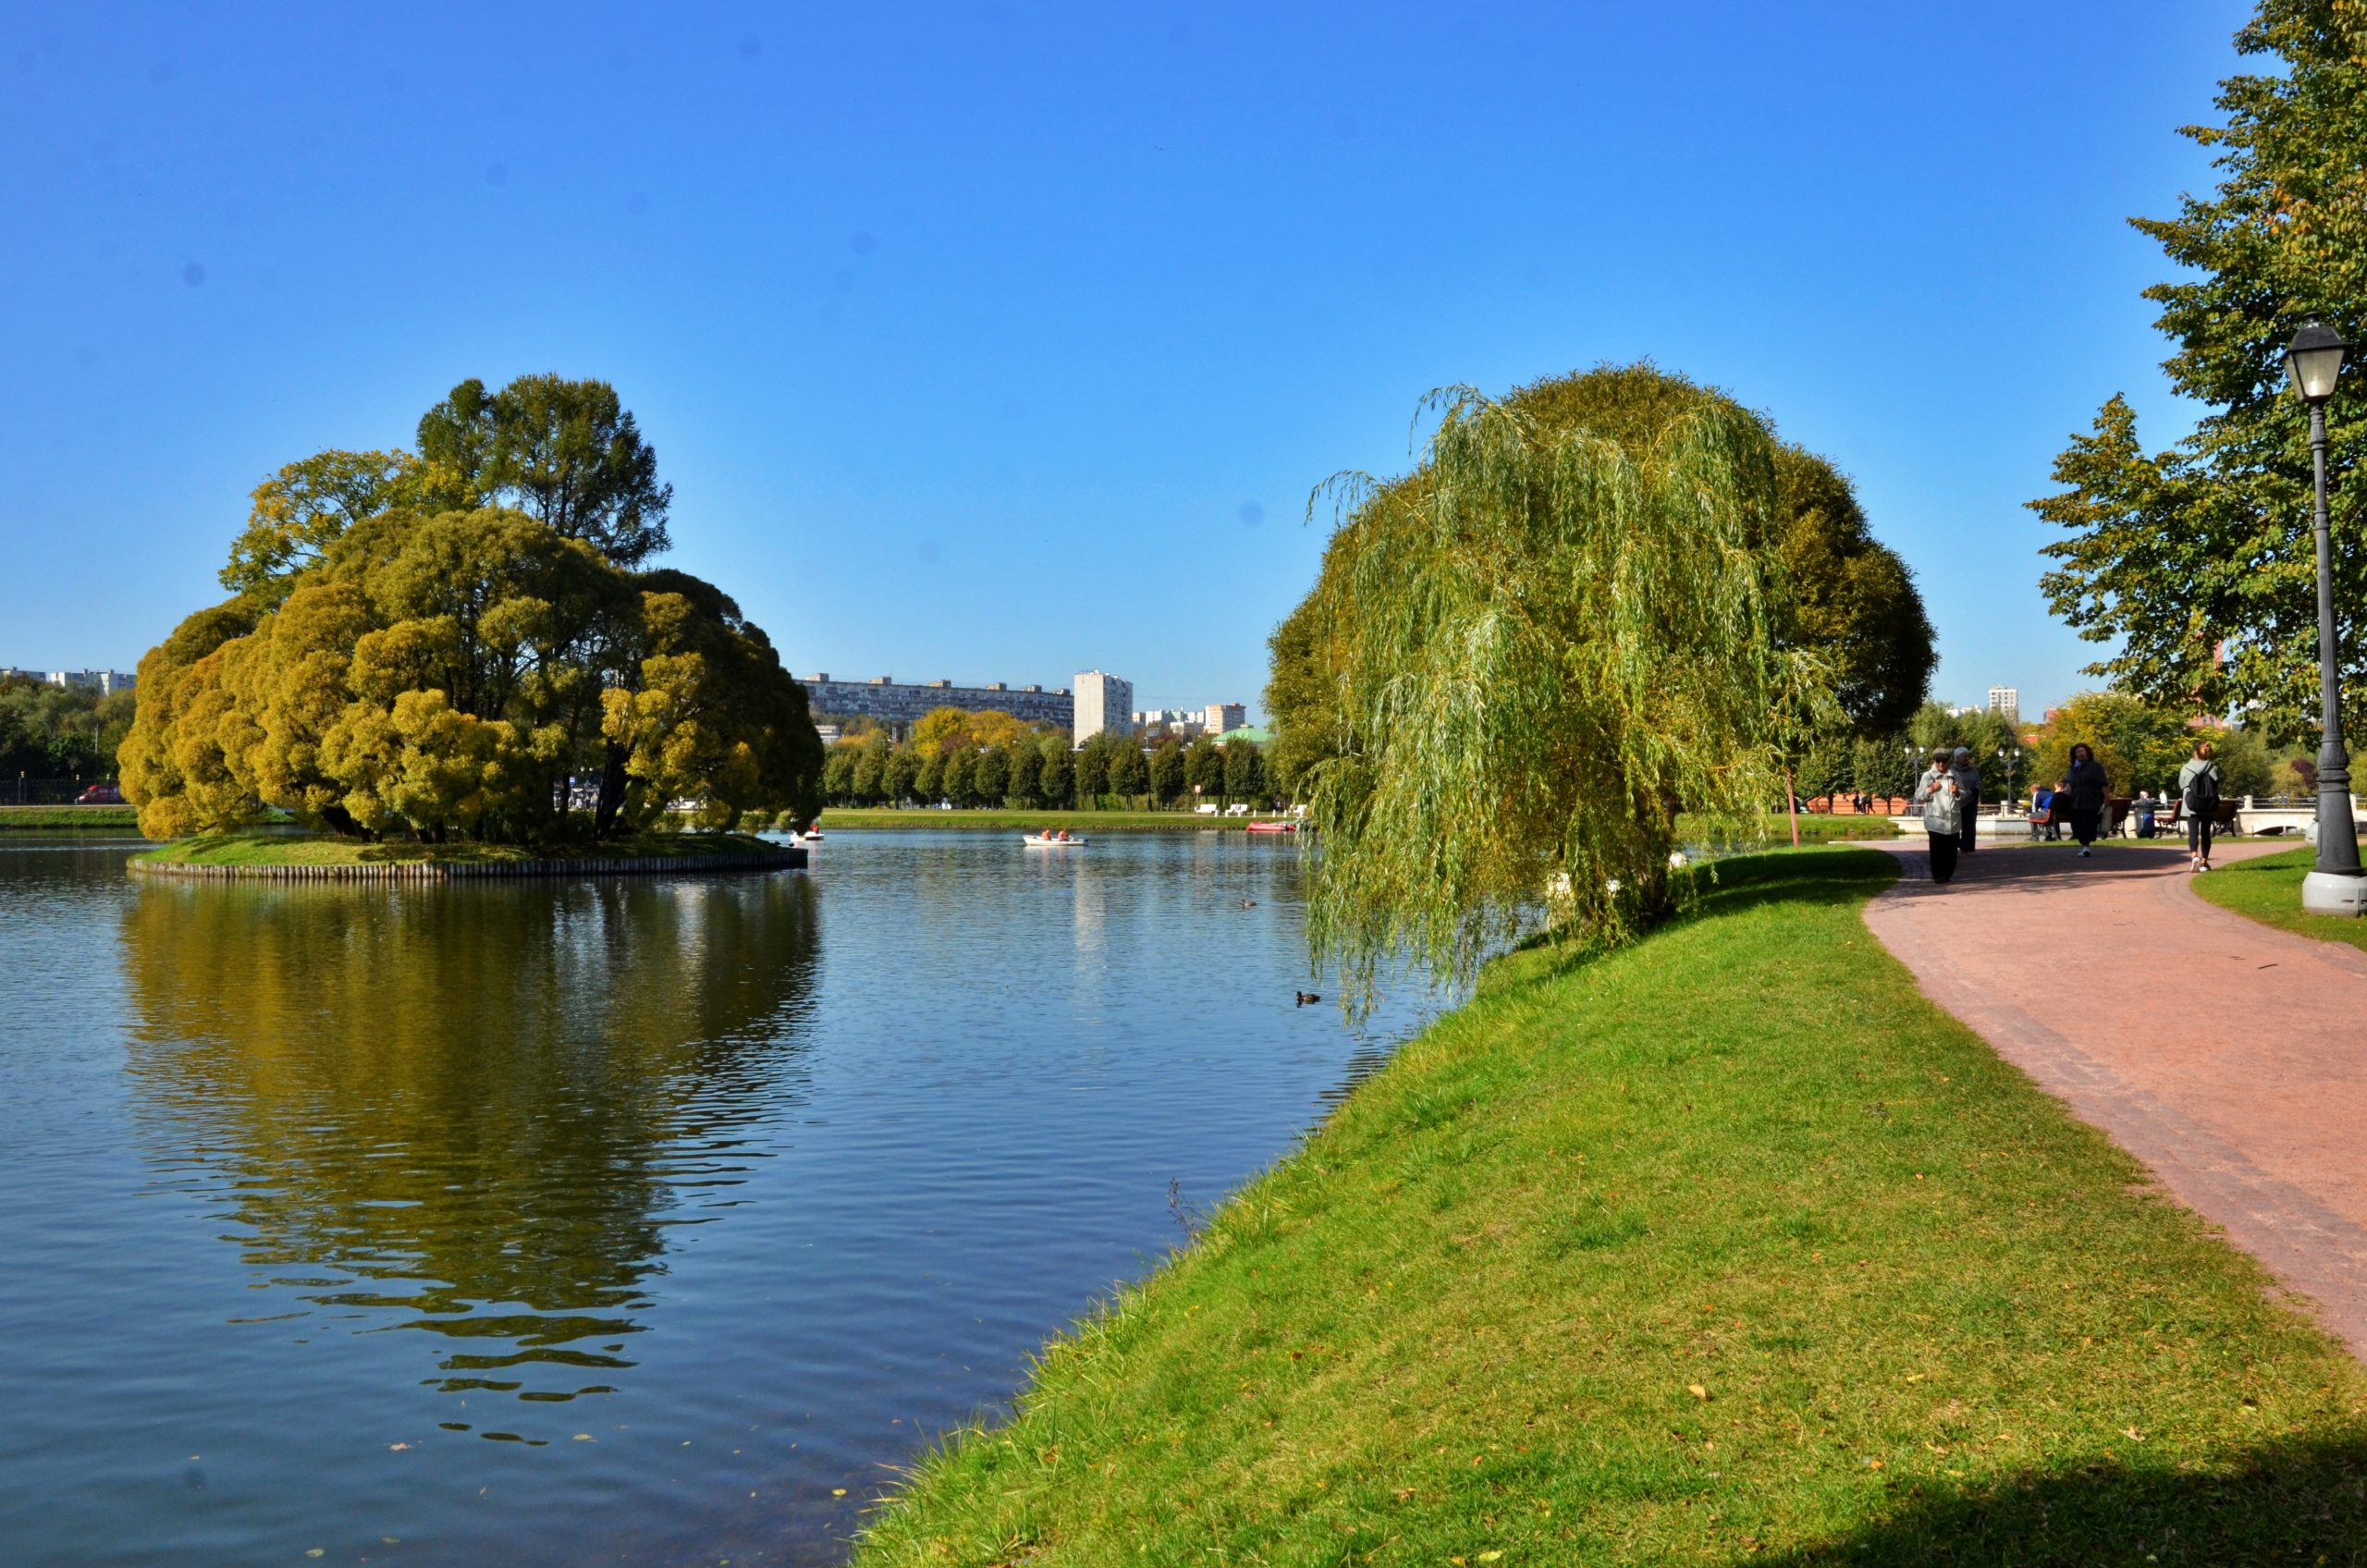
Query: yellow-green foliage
445 674
1563 628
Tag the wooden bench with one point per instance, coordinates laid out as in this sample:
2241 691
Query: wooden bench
2169 821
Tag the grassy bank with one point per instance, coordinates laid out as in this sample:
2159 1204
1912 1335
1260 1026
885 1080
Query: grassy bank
1725 1247
2269 890
303 848
69 820
1814 828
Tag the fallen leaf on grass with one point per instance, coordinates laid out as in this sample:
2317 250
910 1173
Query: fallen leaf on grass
1696 1390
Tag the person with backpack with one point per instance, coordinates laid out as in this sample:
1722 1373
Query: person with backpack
2084 783
2199 789
1935 796
1968 797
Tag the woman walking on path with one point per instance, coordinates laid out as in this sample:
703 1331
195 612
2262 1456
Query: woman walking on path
1935 795
2085 780
2199 793
1967 779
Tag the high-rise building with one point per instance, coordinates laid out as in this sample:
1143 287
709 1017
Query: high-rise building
1226 715
1103 702
2007 701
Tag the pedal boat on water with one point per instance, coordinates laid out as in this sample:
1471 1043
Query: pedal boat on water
1049 841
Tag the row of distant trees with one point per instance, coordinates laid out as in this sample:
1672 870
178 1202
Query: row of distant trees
59 731
2140 744
992 759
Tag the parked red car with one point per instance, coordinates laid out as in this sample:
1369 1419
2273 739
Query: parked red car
100 795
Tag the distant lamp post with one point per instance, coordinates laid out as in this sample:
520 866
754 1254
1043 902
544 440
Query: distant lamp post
2314 361
2009 756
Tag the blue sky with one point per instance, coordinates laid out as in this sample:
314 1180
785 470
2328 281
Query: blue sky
995 342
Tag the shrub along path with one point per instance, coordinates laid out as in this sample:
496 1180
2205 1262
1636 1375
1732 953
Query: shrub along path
1725 1247
2229 1057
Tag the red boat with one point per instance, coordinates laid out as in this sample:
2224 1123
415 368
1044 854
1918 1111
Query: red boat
1272 827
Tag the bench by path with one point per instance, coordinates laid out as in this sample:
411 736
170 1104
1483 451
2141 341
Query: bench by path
2230 1057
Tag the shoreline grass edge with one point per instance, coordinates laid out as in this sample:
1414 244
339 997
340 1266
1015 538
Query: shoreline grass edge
1726 1245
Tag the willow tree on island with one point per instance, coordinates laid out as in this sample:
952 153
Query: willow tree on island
1524 660
405 659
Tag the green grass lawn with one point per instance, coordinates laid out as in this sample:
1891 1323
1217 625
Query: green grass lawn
1814 828
305 849
1725 1247
69 820
2269 890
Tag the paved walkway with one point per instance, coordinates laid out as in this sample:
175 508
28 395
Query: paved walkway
2230 1057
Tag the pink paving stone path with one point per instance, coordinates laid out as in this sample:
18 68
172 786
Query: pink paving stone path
2229 1057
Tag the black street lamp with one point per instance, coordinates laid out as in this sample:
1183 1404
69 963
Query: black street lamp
2009 757
2313 359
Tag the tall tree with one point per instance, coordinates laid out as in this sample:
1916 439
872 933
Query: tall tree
1565 626
1853 600
1026 773
1129 773
1090 769
566 453
990 775
1166 771
1245 770
1057 781
958 779
300 511
897 780
1203 766
2197 561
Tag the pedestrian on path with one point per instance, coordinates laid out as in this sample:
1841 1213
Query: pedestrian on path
1967 779
1935 795
2199 792
2085 781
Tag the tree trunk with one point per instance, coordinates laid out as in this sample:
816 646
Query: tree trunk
612 793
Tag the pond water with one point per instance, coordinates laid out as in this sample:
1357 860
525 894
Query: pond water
641 1221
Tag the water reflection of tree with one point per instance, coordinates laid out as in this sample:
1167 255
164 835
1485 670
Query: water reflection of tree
472 1111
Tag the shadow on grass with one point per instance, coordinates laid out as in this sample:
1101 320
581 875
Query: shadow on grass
2293 1502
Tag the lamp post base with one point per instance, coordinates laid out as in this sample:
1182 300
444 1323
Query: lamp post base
2327 892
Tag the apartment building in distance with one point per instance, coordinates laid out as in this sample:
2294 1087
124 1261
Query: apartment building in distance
1102 702
2007 701
1224 716
1183 722
104 681
896 705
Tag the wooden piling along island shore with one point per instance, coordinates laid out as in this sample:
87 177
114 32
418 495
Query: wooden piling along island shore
273 857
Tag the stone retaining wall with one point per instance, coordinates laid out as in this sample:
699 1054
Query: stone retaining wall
791 859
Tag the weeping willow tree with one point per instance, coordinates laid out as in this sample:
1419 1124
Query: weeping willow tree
1524 658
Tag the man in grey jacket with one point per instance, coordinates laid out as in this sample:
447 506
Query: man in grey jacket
1967 779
